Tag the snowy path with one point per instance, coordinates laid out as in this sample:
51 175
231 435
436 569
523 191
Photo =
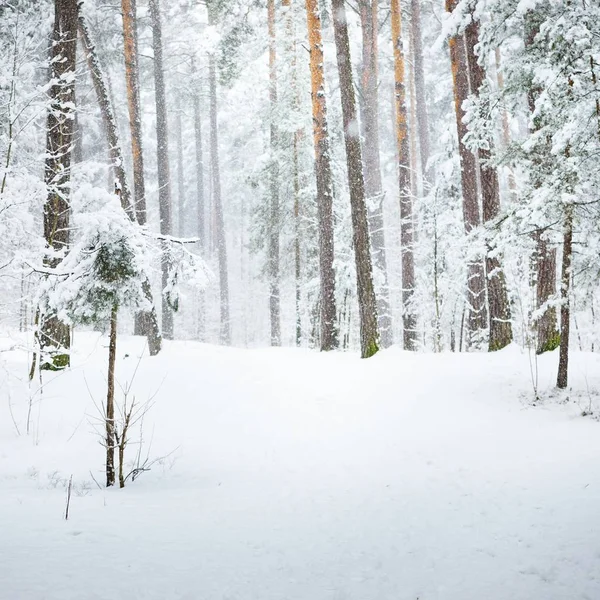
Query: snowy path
300 476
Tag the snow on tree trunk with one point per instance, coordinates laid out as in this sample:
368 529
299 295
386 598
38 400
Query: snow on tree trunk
565 306
55 336
164 175
367 303
499 310
476 305
369 110
409 320
329 331
146 322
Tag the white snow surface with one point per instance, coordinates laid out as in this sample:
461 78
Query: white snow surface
295 475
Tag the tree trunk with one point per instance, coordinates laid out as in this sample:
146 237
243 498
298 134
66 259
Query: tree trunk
565 308
133 102
369 338
477 314
419 75
225 332
55 336
201 233
146 321
110 401
162 153
274 225
499 309
180 173
371 160
291 49
544 262
409 320
329 332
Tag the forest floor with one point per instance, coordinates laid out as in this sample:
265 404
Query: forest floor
285 474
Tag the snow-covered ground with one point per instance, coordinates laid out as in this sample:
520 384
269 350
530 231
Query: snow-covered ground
293 475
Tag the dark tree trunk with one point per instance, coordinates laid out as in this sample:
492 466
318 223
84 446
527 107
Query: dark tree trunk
367 304
565 307
409 320
371 159
545 258
55 336
164 175
499 309
329 331
146 321
274 224
225 333
110 401
477 313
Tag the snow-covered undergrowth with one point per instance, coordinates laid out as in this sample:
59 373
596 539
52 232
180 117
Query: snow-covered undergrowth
286 474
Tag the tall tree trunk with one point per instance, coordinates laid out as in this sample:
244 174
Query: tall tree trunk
371 159
409 320
329 332
477 314
148 321
55 336
180 174
367 304
419 75
130 40
565 308
544 260
109 417
274 225
201 224
499 309
162 154
291 50
225 330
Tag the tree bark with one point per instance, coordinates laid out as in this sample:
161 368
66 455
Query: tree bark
328 330
147 321
225 329
201 224
130 40
369 110
419 75
274 218
565 307
367 304
544 260
162 154
477 313
409 320
110 401
499 309
55 336
180 174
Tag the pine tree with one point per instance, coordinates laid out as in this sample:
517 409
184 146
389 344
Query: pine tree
409 321
367 304
329 333
369 106
162 153
55 336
